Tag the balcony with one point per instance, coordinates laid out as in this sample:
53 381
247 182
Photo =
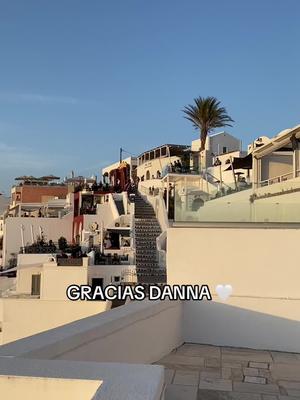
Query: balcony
69 262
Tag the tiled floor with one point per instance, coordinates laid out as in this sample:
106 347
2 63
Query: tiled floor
202 372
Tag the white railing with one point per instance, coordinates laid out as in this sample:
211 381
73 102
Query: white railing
162 253
278 179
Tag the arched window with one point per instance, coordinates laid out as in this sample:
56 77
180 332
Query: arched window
147 175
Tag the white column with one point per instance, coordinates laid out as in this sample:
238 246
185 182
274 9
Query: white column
168 183
185 193
101 237
296 163
22 238
32 235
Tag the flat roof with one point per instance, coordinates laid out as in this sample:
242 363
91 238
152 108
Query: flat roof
182 146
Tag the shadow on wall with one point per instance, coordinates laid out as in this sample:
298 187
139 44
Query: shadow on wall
228 325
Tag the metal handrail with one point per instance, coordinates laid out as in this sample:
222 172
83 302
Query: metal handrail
217 179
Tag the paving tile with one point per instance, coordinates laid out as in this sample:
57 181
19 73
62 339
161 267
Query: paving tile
176 359
289 384
237 375
244 396
199 350
261 365
221 395
210 373
284 371
212 362
269 397
215 384
295 393
169 375
288 398
226 373
204 394
255 379
265 373
184 377
288 358
180 392
237 354
250 371
234 364
255 388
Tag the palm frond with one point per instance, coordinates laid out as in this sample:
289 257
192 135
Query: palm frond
206 114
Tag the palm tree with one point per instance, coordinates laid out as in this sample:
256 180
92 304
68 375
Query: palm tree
206 115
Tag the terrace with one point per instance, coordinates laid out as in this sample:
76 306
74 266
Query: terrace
204 372
117 349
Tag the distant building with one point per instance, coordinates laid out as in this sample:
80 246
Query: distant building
119 174
216 144
33 192
154 163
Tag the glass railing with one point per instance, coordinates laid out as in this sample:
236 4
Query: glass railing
195 205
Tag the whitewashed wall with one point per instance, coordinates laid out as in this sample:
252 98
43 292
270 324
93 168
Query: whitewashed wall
263 268
25 317
53 228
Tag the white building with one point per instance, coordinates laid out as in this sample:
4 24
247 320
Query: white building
152 163
39 291
217 144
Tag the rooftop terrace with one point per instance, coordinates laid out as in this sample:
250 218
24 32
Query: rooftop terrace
122 349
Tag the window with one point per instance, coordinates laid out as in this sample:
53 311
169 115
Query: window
224 149
116 278
147 175
35 285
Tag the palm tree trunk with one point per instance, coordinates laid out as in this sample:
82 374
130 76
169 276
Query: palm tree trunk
203 136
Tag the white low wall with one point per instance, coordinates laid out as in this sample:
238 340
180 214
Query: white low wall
6 283
51 379
14 387
139 332
25 317
263 269
108 272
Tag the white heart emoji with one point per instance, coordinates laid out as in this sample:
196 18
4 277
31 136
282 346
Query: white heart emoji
224 291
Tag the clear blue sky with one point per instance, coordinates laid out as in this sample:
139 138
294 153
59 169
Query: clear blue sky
79 79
